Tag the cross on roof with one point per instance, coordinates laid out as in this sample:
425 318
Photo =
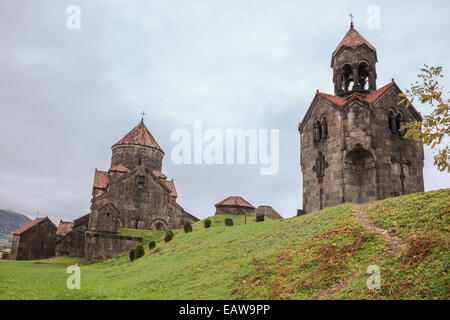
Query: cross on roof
351 19
143 114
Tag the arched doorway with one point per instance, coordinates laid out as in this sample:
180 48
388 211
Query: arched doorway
360 176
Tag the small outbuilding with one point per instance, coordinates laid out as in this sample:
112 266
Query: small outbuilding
35 240
234 205
268 212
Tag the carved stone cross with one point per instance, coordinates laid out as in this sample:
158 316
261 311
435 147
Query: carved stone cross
320 166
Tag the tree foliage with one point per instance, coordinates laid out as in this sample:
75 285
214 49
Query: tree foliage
434 130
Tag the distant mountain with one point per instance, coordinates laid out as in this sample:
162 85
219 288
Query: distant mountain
11 221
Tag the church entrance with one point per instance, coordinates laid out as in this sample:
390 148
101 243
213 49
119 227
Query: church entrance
360 176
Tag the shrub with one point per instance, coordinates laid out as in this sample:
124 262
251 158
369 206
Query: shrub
157 250
187 227
139 251
207 223
169 236
132 255
151 244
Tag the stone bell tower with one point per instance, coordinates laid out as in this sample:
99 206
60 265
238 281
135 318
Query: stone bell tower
352 147
353 63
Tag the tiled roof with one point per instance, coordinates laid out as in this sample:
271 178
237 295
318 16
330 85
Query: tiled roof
120 168
159 174
100 179
234 201
64 228
370 97
139 135
32 224
351 39
342 101
269 212
171 186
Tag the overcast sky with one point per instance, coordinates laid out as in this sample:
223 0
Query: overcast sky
66 96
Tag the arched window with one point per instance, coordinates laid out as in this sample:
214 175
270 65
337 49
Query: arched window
399 122
363 74
139 160
317 131
392 122
324 128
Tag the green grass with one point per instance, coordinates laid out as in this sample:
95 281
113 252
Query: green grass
293 258
421 271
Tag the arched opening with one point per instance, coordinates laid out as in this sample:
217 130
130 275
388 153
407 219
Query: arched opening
363 74
399 123
360 176
159 226
347 76
392 122
317 131
324 128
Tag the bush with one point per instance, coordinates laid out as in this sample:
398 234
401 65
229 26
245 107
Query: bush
151 244
169 236
207 223
132 255
187 226
139 251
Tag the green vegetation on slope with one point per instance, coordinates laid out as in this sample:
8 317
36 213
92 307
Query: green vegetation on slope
421 271
294 258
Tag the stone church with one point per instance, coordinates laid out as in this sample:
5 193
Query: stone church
134 193
352 148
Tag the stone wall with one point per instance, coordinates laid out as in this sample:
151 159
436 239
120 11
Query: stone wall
233 210
131 156
72 244
142 201
360 159
105 245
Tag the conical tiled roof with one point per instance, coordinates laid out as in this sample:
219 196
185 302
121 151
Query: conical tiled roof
141 136
351 39
234 201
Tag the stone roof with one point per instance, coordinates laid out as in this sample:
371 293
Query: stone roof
159 174
100 179
64 228
352 39
32 224
171 186
269 212
120 168
234 201
141 136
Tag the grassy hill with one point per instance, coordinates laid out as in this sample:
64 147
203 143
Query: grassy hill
297 258
9 222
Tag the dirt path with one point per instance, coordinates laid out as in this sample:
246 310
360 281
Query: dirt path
395 245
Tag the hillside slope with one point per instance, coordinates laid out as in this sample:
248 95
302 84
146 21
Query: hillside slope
322 255
11 221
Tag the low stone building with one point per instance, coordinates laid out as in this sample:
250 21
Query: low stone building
72 243
234 205
268 212
35 240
